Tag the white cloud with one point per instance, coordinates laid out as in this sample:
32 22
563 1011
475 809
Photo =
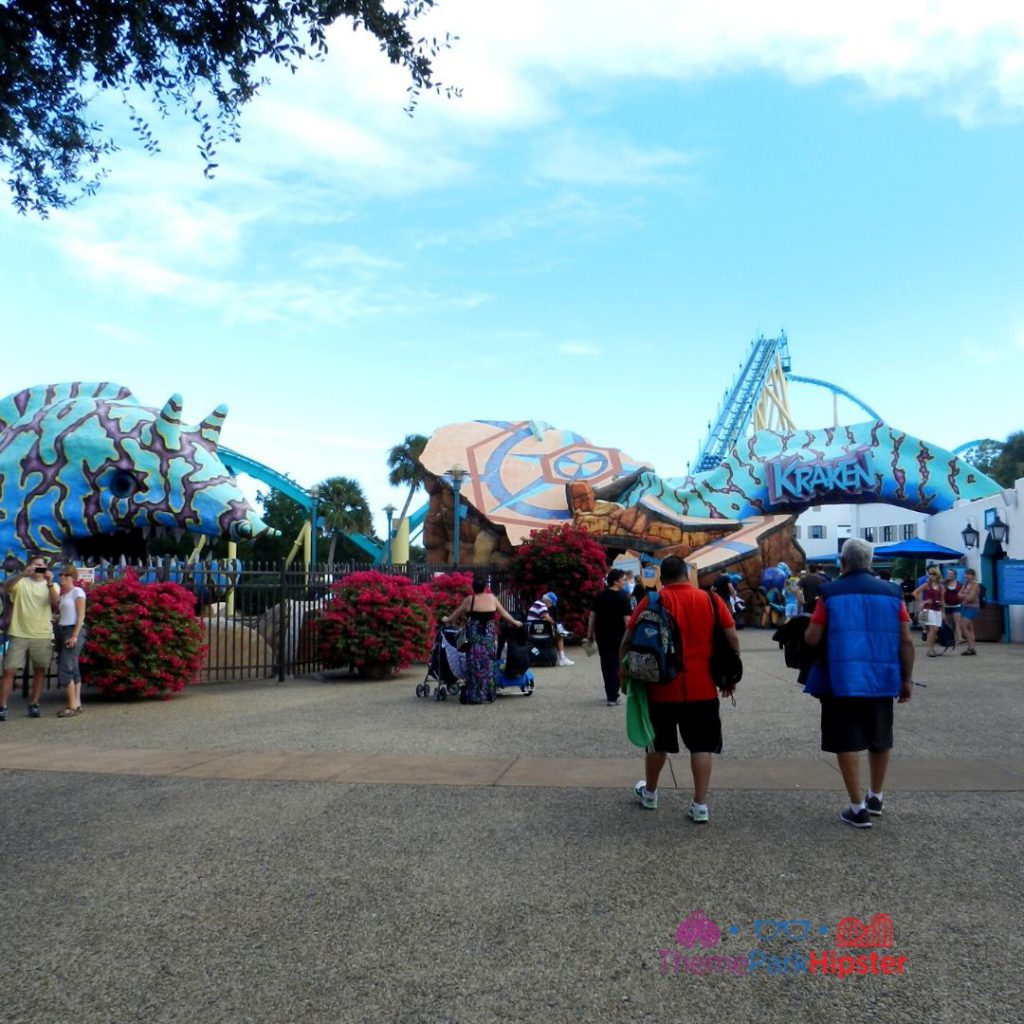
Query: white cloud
340 122
318 145
331 256
576 348
610 162
967 56
123 336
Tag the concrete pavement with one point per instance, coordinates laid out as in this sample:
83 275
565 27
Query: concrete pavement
340 851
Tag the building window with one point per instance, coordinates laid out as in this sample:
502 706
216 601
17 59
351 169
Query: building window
908 531
888 534
868 534
817 533
815 508
796 533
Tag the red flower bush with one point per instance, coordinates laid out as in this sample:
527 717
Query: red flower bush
143 639
375 622
568 561
443 594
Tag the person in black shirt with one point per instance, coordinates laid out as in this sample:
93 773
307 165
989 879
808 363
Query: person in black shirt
609 617
723 587
810 586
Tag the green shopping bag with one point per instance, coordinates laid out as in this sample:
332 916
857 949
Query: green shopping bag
638 718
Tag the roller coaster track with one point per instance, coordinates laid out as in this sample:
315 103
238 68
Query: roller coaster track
762 374
237 463
758 400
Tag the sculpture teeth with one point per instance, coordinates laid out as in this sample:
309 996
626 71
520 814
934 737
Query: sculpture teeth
146 531
178 532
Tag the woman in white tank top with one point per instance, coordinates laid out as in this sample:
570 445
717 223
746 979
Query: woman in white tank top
70 639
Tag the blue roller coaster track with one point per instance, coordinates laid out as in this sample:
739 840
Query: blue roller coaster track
737 409
736 412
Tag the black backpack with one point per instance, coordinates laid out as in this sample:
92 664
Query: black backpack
655 653
944 638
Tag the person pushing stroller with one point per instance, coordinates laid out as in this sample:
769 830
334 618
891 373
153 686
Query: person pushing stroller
480 611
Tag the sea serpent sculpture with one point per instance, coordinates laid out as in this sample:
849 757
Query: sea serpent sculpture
80 461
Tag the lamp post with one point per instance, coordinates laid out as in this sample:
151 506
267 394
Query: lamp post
389 511
970 536
314 525
457 474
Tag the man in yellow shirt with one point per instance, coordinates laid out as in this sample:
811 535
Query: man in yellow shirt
34 598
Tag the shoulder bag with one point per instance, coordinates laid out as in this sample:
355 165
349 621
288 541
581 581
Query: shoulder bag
725 664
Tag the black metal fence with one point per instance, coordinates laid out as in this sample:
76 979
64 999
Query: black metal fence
258 619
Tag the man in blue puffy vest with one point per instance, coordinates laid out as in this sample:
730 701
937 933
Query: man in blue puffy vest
867 662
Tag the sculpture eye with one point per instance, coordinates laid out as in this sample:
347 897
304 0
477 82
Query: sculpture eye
240 530
123 484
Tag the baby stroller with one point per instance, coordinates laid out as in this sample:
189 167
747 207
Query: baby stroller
515 662
447 665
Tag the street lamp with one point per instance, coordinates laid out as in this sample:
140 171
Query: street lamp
970 536
314 522
389 511
998 530
457 474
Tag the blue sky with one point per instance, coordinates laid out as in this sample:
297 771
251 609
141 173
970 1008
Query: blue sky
590 236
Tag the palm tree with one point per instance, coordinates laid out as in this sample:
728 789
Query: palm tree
344 509
406 468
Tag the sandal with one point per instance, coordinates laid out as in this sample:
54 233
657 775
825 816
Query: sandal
69 712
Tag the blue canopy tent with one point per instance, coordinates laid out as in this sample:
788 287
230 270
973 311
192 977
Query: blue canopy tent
918 549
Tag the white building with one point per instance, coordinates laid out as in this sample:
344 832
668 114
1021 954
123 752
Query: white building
821 530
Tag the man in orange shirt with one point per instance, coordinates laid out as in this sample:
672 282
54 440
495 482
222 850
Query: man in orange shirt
687 705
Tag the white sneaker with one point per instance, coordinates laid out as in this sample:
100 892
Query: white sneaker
648 801
564 661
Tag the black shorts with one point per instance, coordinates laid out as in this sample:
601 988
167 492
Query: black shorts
697 721
856 723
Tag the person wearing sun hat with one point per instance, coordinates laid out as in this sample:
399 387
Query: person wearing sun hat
540 611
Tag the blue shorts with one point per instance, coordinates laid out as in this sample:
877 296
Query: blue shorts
968 613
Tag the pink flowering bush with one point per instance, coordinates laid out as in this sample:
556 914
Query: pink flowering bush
443 594
143 639
568 561
376 623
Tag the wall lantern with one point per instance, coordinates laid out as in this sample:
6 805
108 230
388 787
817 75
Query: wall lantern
998 530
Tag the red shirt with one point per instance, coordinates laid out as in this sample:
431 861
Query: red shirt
931 597
691 609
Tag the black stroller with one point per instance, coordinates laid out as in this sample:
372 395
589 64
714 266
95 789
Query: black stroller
447 665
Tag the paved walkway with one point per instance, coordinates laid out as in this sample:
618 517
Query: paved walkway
335 851
908 774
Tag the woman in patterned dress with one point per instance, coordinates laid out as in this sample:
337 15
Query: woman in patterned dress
479 611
